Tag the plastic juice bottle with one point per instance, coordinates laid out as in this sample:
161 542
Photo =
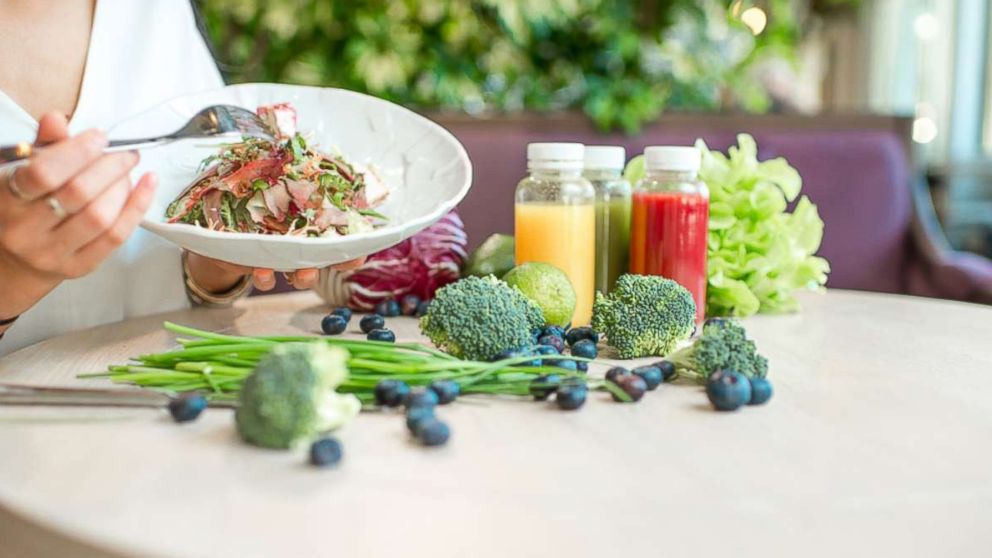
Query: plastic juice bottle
604 169
555 218
670 220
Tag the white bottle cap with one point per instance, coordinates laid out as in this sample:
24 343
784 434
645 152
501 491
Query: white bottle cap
555 155
672 158
609 157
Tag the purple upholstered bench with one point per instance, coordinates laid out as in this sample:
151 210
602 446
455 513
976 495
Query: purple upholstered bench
880 233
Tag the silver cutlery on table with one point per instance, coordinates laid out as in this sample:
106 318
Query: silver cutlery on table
11 394
217 120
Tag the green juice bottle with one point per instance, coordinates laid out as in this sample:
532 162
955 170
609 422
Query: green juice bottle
604 169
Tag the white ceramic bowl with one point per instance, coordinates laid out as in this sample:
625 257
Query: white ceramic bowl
426 169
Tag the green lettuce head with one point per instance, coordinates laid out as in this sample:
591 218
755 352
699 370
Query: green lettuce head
759 254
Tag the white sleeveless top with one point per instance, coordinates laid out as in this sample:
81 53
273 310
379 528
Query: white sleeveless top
140 54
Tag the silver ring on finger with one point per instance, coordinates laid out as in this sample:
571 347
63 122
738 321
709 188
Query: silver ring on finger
14 189
57 209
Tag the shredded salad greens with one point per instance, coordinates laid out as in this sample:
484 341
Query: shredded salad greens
281 187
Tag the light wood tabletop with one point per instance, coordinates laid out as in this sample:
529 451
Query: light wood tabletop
878 442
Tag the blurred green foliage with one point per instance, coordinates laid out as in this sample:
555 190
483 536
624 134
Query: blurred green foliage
622 62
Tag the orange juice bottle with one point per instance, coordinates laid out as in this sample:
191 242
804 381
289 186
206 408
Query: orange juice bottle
555 218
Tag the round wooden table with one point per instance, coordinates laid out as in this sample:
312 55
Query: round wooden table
878 441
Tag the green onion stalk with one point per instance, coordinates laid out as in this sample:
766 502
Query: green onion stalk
218 364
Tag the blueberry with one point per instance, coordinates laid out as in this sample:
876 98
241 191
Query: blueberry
542 387
552 330
547 350
187 406
417 417
716 322
371 321
574 382
585 349
409 304
421 397
343 311
577 334
528 352
553 341
761 391
434 433
388 308
392 308
556 331
582 366
632 385
727 390
667 370
570 398
380 308
333 324
422 308
650 374
535 334
391 393
566 364
325 452
505 354
383 334
446 390
613 373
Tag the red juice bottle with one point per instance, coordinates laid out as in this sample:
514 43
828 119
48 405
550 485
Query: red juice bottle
668 231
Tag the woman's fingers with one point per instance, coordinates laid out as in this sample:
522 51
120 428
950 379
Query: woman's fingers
226 267
264 279
303 278
83 188
94 220
52 166
52 127
91 255
349 265
39 233
80 203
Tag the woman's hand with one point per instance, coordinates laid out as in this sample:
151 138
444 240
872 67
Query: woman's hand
218 277
65 212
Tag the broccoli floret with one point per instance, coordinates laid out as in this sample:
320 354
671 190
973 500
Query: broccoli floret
723 345
289 398
477 318
644 315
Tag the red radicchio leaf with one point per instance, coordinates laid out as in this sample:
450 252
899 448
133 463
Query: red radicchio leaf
418 265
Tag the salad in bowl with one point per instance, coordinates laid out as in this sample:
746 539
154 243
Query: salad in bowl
347 175
282 187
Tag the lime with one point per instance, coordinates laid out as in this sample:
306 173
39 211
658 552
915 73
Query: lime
492 257
548 287
635 169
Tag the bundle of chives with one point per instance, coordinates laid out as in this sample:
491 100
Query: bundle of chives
218 364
